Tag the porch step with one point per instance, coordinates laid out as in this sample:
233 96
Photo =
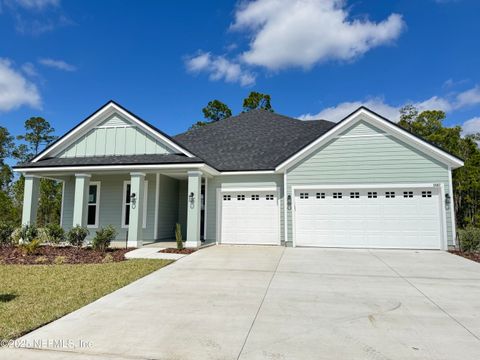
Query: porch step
151 253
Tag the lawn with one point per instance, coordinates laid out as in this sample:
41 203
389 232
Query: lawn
33 295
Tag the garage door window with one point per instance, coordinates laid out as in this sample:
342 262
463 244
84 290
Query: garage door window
337 195
426 194
408 194
320 195
354 195
227 198
390 194
240 197
372 194
302 196
255 197
271 197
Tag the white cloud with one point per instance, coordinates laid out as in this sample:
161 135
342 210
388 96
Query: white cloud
468 98
57 64
15 90
302 33
29 69
219 68
471 126
34 4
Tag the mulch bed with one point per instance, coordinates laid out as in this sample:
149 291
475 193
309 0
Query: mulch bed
48 255
178 251
475 256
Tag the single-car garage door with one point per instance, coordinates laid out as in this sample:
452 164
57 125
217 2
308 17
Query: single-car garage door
250 217
370 218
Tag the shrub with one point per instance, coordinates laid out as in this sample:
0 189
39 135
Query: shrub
16 235
55 233
107 259
6 231
30 247
76 236
178 236
469 239
28 233
103 238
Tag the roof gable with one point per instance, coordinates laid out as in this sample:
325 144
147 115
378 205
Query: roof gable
365 115
140 136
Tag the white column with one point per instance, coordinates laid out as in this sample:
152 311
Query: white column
30 200
194 208
135 227
82 183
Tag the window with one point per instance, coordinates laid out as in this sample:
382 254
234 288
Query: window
227 197
337 195
408 194
320 195
240 197
426 194
372 194
126 204
302 196
93 202
255 197
354 195
271 197
390 194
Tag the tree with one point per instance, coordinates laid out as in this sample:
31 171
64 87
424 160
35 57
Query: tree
466 180
38 133
256 100
6 146
216 110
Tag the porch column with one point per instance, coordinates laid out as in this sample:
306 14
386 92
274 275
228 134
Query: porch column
30 200
194 207
135 227
82 182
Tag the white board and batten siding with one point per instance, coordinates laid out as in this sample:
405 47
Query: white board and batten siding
115 136
365 155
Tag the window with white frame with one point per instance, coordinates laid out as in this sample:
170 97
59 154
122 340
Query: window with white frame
126 206
93 204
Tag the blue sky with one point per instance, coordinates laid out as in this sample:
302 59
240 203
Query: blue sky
165 60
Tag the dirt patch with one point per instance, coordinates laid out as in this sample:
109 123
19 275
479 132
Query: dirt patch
177 251
475 256
50 255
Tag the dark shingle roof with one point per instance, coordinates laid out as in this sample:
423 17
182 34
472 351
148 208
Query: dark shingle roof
256 140
113 160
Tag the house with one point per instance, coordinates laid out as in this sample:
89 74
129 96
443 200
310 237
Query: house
255 178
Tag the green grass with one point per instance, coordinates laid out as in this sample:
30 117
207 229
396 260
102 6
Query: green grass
33 295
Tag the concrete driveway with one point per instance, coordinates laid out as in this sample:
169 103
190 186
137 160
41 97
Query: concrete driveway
245 302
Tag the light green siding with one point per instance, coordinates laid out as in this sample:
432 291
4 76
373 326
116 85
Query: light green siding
115 136
111 204
167 207
239 181
365 155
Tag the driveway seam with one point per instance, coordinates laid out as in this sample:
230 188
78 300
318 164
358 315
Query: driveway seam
261 304
426 296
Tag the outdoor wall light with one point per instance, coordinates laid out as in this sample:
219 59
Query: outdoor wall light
289 202
448 200
133 200
191 199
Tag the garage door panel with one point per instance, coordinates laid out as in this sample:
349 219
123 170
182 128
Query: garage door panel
382 217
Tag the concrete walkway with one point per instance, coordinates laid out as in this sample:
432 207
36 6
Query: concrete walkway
244 302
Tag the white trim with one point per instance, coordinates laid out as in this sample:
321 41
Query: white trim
124 203
119 167
62 206
363 114
97 115
361 136
205 210
285 210
114 126
83 175
259 172
440 186
248 189
97 204
157 200
452 207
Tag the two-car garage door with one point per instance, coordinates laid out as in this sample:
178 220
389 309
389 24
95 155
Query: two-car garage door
370 218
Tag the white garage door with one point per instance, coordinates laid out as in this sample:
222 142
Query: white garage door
250 217
371 218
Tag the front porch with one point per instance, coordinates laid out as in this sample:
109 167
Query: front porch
143 206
